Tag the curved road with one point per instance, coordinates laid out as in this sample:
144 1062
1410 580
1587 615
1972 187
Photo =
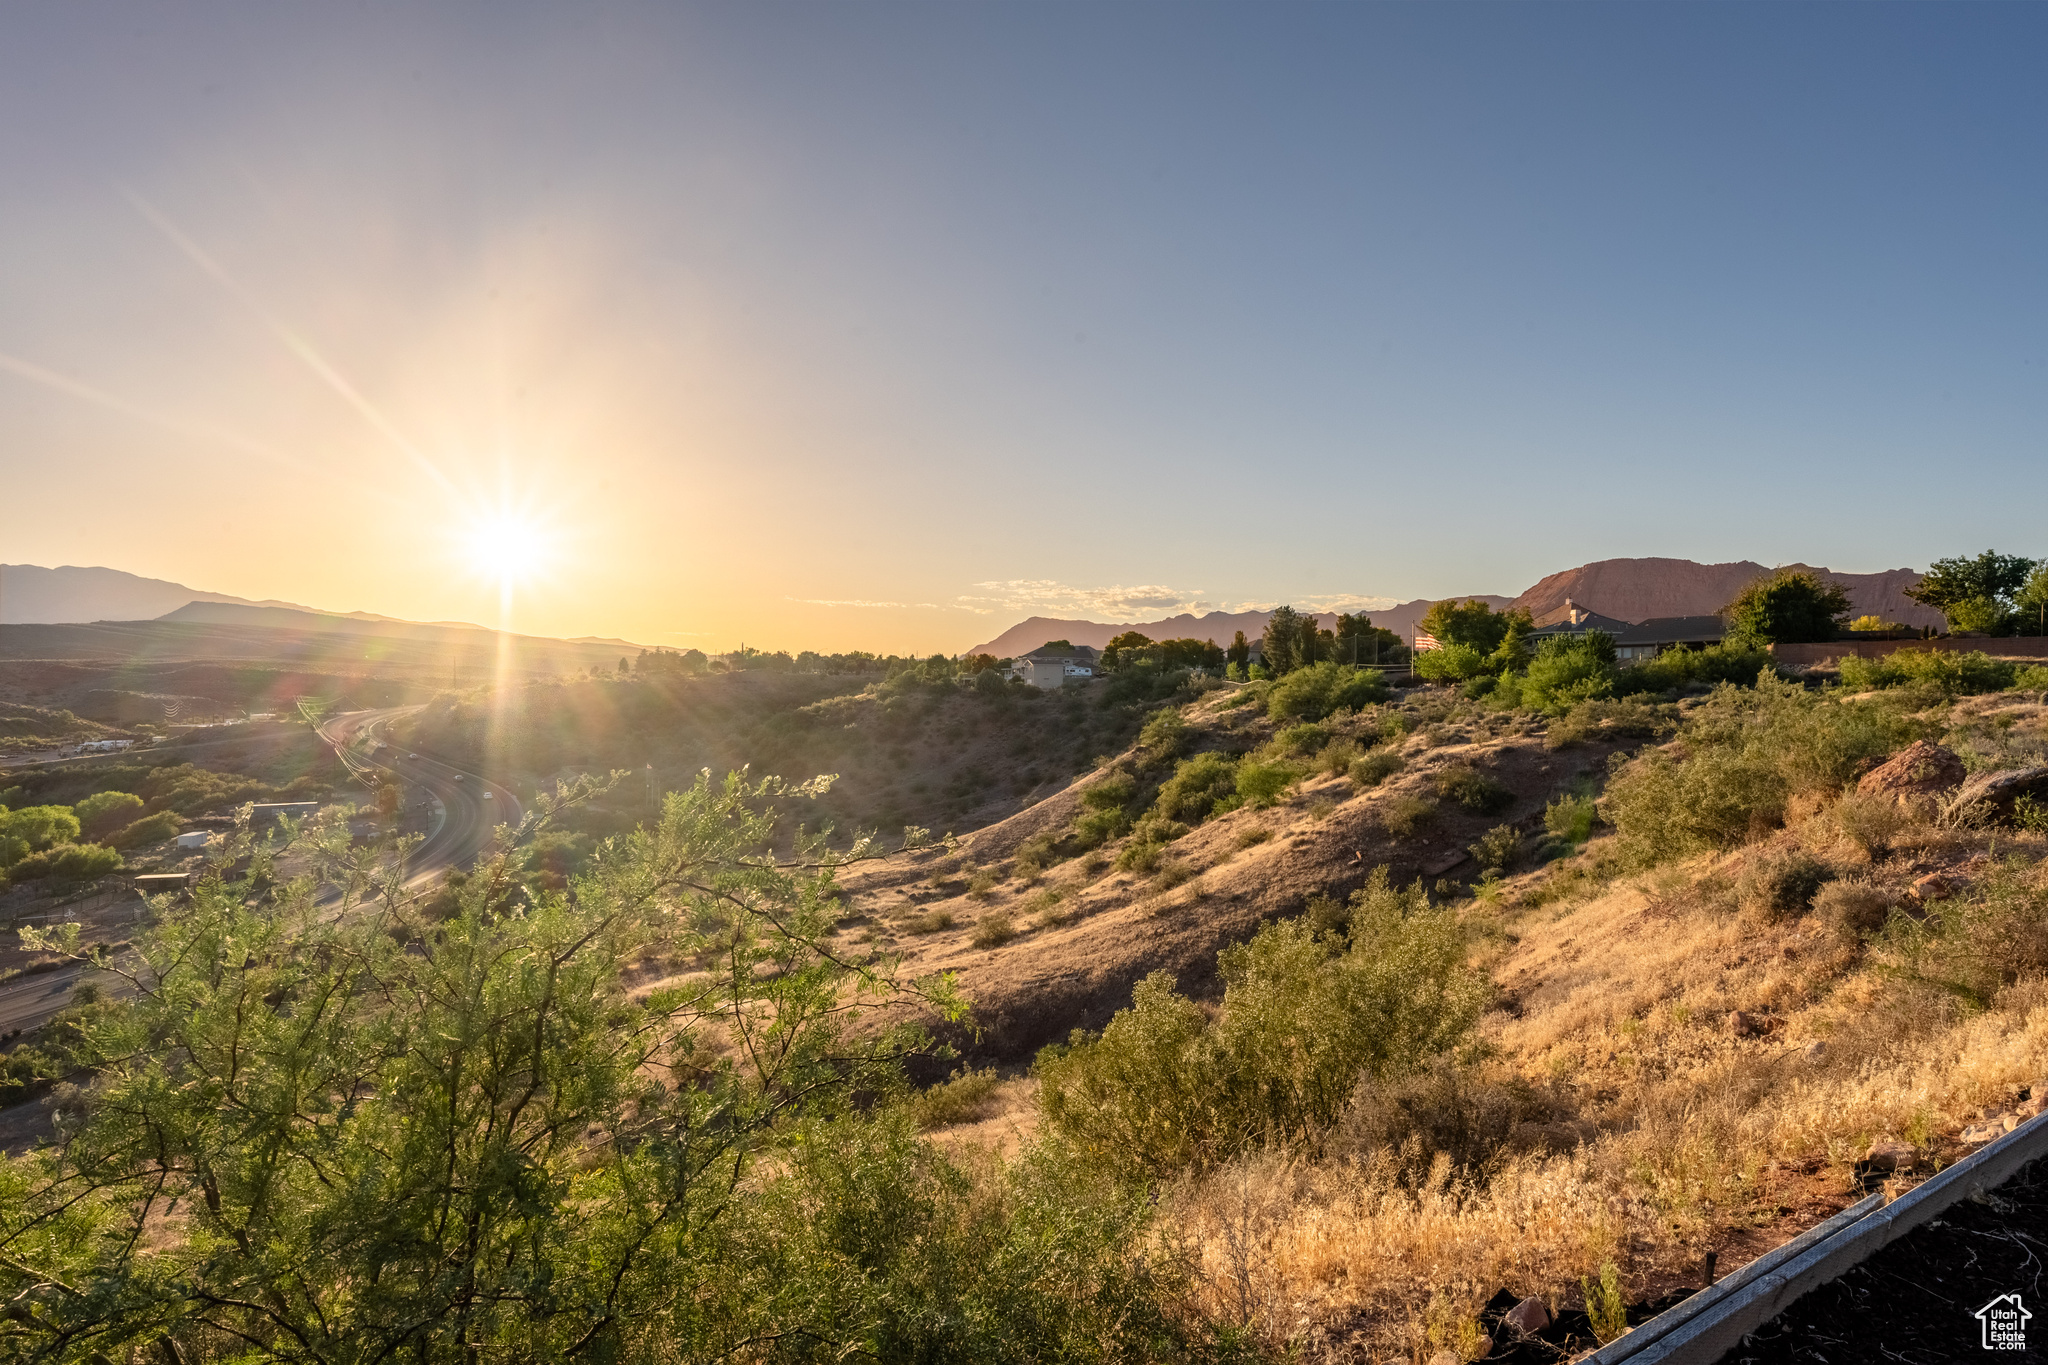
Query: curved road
470 808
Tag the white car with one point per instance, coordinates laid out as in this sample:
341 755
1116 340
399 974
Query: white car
488 795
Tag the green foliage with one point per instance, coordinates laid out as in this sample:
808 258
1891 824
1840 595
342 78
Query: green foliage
1974 594
1496 848
1789 606
150 829
1742 754
1954 673
1608 718
1605 1306
1474 790
388 1138
1371 769
67 862
1280 645
1471 623
965 1097
1163 737
1261 784
39 827
1676 668
1133 650
1304 1017
1305 740
1198 786
104 811
1106 810
1318 690
1453 663
1570 818
1404 815
994 929
10 796
1140 855
1567 670
2031 678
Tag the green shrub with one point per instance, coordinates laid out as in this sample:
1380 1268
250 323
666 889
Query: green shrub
1106 812
1607 718
1139 856
982 884
1197 786
1157 829
994 929
1955 674
104 811
69 862
1172 874
1304 1018
1568 670
1869 820
1453 663
1261 784
931 922
1474 790
40 827
1781 885
1403 815
2032 678
1496 848
965 1097
1677 668
1305 740
1314 692
1570 818
1033 856
1854 910
1375 768
1164 735
150 829
1742 755
1257 834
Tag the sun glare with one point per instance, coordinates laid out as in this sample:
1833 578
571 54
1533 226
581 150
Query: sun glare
507 549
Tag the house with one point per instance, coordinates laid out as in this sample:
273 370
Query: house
1057 664
1648 639
1574 621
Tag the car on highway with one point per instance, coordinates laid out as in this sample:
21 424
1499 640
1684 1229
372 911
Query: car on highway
489 795
412 755
462 777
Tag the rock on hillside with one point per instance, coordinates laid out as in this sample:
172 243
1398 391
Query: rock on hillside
1639 589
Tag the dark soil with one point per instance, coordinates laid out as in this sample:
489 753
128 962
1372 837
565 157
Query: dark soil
1916 1300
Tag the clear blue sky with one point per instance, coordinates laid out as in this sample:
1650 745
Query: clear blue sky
973 311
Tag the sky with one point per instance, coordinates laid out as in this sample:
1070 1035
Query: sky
882 326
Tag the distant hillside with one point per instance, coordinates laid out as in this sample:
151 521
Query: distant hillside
1626 589
1639 589
30 594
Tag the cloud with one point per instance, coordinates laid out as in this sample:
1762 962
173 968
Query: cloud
1044 596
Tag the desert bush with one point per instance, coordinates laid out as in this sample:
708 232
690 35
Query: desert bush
1403 815
1742 755
1453 663
1474 790
1105 812
1337 757
1304 740
1782 883
1955 674
150 829
1676 668
994 929
1496 848
105 811
1165 734
1607 718
1571 817
39 827
1033 856
1973 945
1869 820
1314 692
1568 670
1049 906
1304 1018
1157 829
1855 910
982 884
1442 1109
931 922
1257 834
1173 873
964 1097
1374 768
1605 1306
1261 784
68 862
2032 678
1140 855
1197 787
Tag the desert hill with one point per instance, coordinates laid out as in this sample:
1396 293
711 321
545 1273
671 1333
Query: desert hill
1640 589
1626 589
31 594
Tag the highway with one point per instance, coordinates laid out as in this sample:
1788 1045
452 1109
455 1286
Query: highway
470 807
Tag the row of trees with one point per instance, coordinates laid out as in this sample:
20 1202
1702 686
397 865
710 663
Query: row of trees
1293 640
1132 649
1993 593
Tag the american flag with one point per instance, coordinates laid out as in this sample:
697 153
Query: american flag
1425 641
